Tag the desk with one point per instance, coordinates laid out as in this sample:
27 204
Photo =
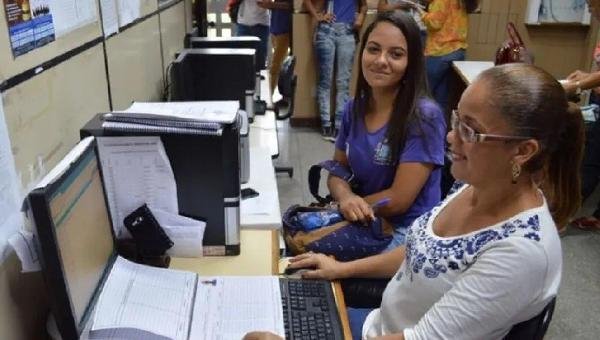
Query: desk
464 74
263 133
259 255
261 212
469 70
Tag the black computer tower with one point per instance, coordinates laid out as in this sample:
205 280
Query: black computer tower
207 175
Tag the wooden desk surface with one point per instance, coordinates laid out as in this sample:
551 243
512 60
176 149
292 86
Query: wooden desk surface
259 255
341 306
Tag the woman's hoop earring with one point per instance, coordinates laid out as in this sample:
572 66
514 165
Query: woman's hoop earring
516 172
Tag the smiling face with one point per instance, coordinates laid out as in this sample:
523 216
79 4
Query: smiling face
481 163
385 57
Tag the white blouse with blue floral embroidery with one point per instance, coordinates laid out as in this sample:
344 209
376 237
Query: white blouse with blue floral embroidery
473 286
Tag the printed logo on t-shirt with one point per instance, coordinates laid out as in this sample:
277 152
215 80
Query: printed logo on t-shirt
382 153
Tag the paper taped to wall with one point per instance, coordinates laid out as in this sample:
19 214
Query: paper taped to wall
22 243
11 218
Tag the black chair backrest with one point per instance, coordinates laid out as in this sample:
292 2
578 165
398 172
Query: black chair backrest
286 83
534 328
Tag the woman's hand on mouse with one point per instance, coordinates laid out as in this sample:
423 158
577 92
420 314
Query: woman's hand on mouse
325 267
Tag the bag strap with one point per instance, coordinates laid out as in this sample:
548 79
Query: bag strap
514 34
335 169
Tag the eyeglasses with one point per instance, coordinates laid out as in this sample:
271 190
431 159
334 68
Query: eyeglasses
467 134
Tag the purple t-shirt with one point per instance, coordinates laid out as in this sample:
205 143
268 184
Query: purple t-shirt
344 10
370 160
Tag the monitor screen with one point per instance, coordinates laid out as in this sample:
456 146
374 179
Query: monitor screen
83 231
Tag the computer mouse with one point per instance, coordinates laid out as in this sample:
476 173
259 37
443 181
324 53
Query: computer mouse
296 271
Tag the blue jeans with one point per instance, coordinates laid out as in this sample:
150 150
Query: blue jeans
333 41
438 73
262 33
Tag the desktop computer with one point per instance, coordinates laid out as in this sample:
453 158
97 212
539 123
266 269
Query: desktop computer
207 177
214 74
192 41
93 293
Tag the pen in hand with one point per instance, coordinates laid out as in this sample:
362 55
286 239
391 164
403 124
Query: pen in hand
381 203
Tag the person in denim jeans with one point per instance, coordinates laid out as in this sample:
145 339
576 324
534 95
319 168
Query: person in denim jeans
446 22
253 20
338 22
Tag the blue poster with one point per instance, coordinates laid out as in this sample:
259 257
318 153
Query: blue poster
29 24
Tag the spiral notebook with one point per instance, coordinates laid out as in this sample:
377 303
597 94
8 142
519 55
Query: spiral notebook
206 118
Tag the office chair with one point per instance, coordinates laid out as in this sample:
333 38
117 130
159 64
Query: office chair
286 83
534 328
284 108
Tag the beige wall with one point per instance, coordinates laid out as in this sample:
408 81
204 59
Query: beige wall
560 49
44 114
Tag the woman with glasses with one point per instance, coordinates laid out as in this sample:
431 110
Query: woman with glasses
488 256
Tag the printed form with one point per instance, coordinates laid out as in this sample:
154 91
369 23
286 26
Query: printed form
136 170
229 307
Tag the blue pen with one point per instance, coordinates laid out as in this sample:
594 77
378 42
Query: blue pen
382 202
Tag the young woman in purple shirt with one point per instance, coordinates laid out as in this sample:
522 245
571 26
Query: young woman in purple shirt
392 135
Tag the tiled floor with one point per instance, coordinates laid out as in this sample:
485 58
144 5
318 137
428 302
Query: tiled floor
577 315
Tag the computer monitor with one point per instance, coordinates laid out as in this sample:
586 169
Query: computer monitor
213 74
227 42
75 236
223 42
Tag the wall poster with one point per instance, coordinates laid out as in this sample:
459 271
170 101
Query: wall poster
30 24
557 11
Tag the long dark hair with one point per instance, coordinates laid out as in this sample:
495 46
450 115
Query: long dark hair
412 86
535 105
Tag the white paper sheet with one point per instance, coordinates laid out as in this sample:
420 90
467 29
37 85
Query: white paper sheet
146 298
110 17
129 10
229 307
259 205
69 15
207 111
11 218
186 233
136 170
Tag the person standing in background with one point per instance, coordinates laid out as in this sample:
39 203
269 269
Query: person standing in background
392 5
281 26
338 22
446 22
253 20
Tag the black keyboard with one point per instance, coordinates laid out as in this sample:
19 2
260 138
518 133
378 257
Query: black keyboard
309 310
